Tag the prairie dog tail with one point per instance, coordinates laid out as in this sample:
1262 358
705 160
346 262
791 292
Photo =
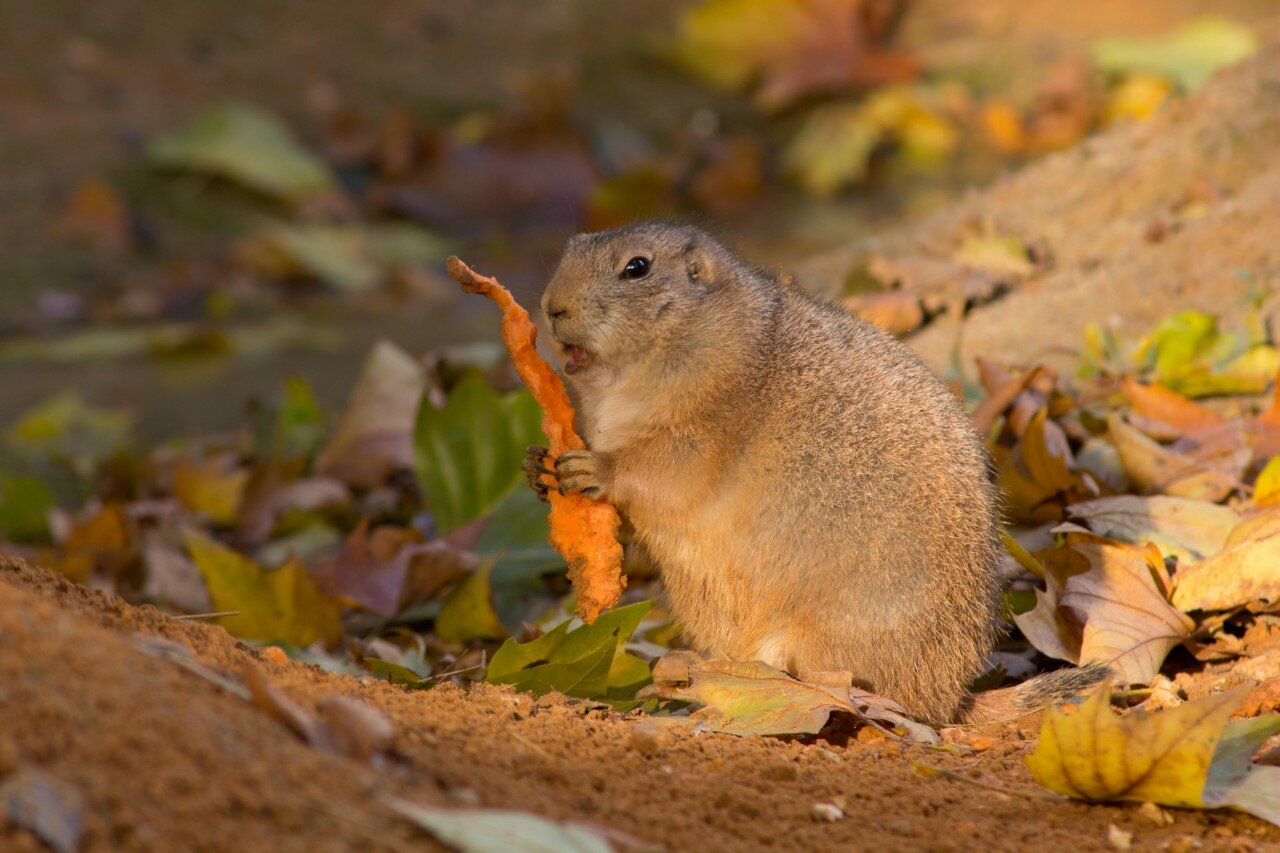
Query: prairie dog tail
1008 703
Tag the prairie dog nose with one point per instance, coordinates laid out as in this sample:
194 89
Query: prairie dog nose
556 311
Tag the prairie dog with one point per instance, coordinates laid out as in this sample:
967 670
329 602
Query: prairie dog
814 497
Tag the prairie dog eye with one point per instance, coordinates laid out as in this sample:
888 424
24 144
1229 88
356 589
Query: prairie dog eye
636 268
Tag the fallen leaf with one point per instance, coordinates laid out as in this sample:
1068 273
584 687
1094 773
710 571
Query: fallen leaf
172 576
25 502
753 698
374 438
347 258
48 807
1169 407
896 311
1266 489
493 831
792 48
1189 756
995 253
1138 97
590 661
833 147
270 605
389 568
467 612
211 488
1188 529
1105 602
1247 568
469 451
103 541
1189 55
248 146
95 215
1155 468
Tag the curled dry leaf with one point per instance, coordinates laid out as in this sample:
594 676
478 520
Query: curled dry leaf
583 530
1169 407
753 698
1188 529
1107 602
1247 568
374 439
1154 468
1190 756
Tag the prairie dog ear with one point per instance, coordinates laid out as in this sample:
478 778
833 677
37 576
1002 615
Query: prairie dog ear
701 263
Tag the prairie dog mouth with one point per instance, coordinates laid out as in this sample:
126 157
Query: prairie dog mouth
576 359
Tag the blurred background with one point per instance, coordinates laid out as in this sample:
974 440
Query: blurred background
198 199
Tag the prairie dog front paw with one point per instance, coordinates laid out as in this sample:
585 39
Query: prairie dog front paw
584 472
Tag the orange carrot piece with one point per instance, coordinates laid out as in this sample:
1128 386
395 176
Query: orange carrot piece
584 531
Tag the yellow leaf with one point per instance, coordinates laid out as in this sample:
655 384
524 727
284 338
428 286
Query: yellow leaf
1266 490
1137 98
210 489
999 254
1244 571
1188 756
271 605
467 612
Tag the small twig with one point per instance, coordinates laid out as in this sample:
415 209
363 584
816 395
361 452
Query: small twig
207 615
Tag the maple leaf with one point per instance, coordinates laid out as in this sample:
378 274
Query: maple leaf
1105 601
1189 756
792 48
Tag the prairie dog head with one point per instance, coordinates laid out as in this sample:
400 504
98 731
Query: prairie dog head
639 296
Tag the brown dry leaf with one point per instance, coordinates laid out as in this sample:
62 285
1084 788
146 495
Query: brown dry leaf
95 215
374 439
793 48
1154 468
269 494
1246 570
1169 407
753 698
896 311
389 568
1188 529
1107 602
104 541
1040 473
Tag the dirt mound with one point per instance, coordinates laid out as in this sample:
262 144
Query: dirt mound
1174 213
165 759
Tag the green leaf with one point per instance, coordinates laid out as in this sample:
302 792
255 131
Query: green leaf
1189 55
25 502
590 661
348 258
489 831
270 604
516 535
65 427
467 612
468 453
299 422
248 146
398 673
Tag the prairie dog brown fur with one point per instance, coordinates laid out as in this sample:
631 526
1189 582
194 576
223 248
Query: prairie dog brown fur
813 496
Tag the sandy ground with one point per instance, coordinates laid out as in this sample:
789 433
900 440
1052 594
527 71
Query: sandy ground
165 759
